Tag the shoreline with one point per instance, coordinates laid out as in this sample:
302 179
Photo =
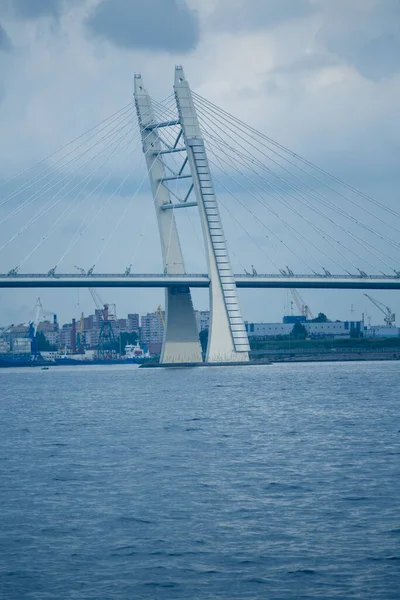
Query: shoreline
272 359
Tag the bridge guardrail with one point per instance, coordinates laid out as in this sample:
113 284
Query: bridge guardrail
193 275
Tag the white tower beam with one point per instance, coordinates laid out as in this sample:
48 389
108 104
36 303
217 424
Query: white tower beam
227 341
181 339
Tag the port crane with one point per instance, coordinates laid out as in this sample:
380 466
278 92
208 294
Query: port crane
106 344
160 315
390 317
302 307
98 302
33 325
37 316
81 334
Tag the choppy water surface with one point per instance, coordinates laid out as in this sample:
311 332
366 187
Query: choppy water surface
277 482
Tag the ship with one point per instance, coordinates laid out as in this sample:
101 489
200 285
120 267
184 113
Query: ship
133 352
17 360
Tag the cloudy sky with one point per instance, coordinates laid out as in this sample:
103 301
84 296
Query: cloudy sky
320 76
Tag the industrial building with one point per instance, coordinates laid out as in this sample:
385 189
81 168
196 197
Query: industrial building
330 329
381 331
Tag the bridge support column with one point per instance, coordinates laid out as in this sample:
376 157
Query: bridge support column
181 339
227 341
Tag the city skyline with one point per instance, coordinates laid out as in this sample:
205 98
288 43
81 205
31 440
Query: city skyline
319 300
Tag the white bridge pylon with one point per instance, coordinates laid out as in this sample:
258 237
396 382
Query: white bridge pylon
227 339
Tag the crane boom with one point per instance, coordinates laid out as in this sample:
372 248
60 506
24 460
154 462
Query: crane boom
160 315
33 325
302 307
99 304
390 317
38 313
96 299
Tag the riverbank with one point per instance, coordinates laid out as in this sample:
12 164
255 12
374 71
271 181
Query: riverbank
331 357
154 365
256 358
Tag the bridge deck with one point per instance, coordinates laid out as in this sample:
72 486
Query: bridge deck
199 281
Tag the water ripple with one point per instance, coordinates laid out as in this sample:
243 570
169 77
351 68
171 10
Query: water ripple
279 482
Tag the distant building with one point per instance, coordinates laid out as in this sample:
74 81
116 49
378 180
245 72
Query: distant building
51 337
50 331
268 329
64 336
122 324
98 317
152 332
292 319
335 329
330 329
152 328
202 319
45 326
15 331
91 337
381 331
88 322
133 323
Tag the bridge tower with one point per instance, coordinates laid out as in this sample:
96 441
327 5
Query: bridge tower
181 339
227 339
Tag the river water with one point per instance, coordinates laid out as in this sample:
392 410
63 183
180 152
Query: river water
273 482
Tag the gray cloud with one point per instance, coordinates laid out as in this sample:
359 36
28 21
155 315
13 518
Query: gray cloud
305 64
245 15
33 9
328 114
368 39
151 25
5 42
365 35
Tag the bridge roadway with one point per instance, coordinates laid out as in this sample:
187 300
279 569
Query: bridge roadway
377 282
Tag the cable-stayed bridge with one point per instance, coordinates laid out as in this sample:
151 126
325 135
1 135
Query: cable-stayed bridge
255 214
